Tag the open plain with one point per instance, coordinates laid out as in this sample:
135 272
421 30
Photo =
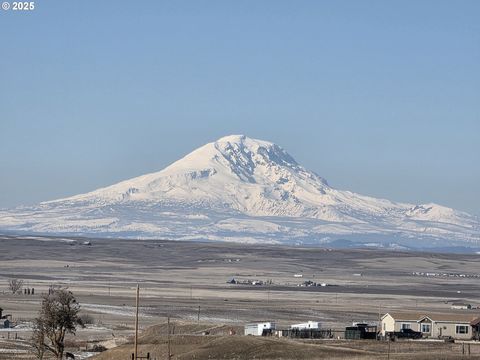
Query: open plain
187 281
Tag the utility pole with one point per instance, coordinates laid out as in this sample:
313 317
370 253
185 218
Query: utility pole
169 356
198 314
380 315
136 323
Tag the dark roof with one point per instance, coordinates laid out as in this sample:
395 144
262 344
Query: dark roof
460 318
475 322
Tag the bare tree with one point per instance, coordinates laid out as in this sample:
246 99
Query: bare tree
15 285
57 318
38 340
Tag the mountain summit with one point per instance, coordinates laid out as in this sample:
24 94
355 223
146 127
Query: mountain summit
242 189
250 176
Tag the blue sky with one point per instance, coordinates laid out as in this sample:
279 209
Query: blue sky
381 98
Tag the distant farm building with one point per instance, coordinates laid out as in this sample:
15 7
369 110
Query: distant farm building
249 282
461 306
260 329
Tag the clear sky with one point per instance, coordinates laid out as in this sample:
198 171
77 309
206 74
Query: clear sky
379 97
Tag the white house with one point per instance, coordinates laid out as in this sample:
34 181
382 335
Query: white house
307 325
259 329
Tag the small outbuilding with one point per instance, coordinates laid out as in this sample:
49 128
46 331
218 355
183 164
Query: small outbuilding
475 324
307 325
361 331
264 328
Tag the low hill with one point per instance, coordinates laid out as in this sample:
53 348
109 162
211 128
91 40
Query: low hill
188 343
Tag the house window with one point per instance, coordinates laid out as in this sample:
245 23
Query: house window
461 329
425 328
406 326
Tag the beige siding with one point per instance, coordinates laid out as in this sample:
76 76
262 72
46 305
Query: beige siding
388 324
448 329
413 324
427 322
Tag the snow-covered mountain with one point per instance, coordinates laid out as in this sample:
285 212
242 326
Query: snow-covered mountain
247 190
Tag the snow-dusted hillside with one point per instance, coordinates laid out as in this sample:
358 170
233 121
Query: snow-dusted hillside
242 189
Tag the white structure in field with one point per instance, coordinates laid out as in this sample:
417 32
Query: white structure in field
259 329
307 325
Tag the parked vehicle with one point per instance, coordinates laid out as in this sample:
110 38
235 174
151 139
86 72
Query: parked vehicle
404 334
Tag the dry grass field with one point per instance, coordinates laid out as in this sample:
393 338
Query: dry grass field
187 281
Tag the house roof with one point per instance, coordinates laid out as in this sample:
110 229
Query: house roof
413 316
458 318
475 321
261 322
404 316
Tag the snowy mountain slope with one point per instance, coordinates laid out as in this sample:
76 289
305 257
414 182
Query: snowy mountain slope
242 189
